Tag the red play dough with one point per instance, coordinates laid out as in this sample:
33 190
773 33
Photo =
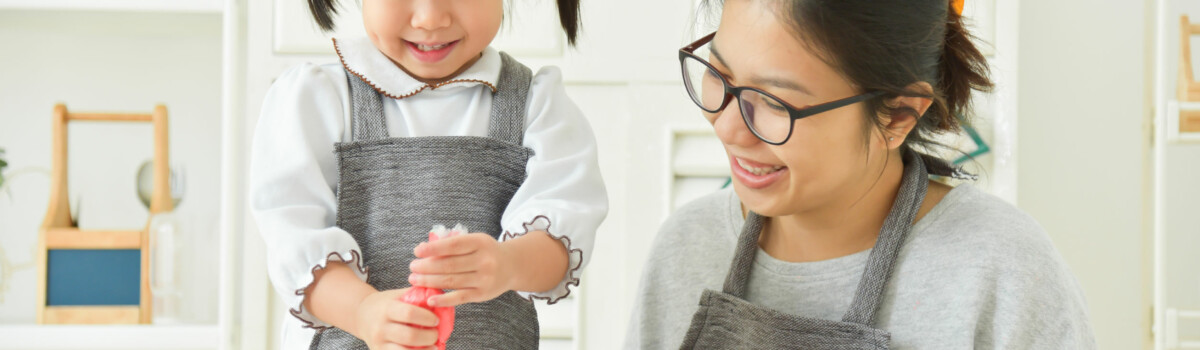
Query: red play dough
419 296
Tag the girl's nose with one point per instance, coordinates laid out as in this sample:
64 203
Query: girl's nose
430 15
731 128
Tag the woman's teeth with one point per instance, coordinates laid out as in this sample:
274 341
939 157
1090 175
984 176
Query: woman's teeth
758 171
431 48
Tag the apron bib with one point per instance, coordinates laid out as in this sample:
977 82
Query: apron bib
726 321
393 190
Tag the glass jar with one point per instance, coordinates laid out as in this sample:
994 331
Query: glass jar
164 267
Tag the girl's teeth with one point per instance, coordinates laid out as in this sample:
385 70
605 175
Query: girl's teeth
758 171
431 48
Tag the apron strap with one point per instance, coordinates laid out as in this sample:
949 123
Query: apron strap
743 258
507 122
367 119
895 229
879 264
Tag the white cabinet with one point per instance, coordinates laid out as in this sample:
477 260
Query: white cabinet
294 31
1176 235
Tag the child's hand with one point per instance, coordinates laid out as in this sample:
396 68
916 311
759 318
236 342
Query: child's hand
385 322
476 266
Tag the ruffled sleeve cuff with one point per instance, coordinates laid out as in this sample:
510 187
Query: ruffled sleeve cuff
296 304
575 261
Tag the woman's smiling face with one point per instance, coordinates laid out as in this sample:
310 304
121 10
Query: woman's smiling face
826 159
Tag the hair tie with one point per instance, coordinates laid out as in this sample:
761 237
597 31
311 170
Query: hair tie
957 5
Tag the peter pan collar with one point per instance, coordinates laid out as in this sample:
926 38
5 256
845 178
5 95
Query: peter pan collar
360 57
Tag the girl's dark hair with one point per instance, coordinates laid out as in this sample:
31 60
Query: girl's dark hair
888 45
569 17
568 14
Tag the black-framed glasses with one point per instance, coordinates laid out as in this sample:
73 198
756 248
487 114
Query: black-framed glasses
768 117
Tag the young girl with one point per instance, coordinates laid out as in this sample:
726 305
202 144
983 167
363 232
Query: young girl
423 124
833 236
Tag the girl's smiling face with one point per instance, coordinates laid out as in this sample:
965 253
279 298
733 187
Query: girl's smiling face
432 40
826 160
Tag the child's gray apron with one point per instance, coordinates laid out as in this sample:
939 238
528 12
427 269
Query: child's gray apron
726 321
393 190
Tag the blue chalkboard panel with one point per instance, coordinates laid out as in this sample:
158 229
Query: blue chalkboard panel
93 277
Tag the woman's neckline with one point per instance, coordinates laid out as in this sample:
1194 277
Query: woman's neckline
931 208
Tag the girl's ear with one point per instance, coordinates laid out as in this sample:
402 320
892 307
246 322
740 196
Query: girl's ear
902 121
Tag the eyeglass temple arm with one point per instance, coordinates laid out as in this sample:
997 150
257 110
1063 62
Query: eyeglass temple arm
825 107
695 45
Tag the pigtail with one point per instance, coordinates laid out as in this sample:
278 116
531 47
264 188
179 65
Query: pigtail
568 14
961 68
323 12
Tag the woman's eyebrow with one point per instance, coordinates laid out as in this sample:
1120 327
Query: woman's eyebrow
778 82
713 49
759 80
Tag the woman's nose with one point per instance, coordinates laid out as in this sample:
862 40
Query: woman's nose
430 15
731 128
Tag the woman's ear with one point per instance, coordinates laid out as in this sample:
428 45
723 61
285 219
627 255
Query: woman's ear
897 125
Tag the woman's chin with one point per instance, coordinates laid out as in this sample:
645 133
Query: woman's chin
762 202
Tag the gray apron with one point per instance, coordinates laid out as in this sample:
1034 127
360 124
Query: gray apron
726 321
393 190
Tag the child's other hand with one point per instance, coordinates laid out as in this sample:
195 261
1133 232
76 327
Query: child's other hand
385 322
476 266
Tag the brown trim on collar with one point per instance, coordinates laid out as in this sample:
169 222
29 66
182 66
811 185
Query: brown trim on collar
414 92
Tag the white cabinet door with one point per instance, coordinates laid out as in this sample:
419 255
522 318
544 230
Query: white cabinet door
294 31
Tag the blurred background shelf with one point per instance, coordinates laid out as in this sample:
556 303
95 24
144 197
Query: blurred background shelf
165 337
1182 120
111 56
183 6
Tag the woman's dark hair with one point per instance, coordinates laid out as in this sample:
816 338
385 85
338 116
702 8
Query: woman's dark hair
568 14
888 45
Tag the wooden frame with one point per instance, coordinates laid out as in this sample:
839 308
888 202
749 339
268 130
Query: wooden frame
59 231
1189 88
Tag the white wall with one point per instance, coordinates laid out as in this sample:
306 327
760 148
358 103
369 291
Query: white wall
1080 109
109 61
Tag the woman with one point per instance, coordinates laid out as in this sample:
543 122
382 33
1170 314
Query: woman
833 236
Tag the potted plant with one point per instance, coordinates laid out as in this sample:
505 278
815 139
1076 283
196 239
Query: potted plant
3 164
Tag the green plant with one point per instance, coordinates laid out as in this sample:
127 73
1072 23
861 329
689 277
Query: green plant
3 164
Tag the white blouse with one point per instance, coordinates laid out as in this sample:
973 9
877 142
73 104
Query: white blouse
293 168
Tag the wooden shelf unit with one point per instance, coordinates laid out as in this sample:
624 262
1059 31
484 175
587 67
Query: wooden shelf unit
60 232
